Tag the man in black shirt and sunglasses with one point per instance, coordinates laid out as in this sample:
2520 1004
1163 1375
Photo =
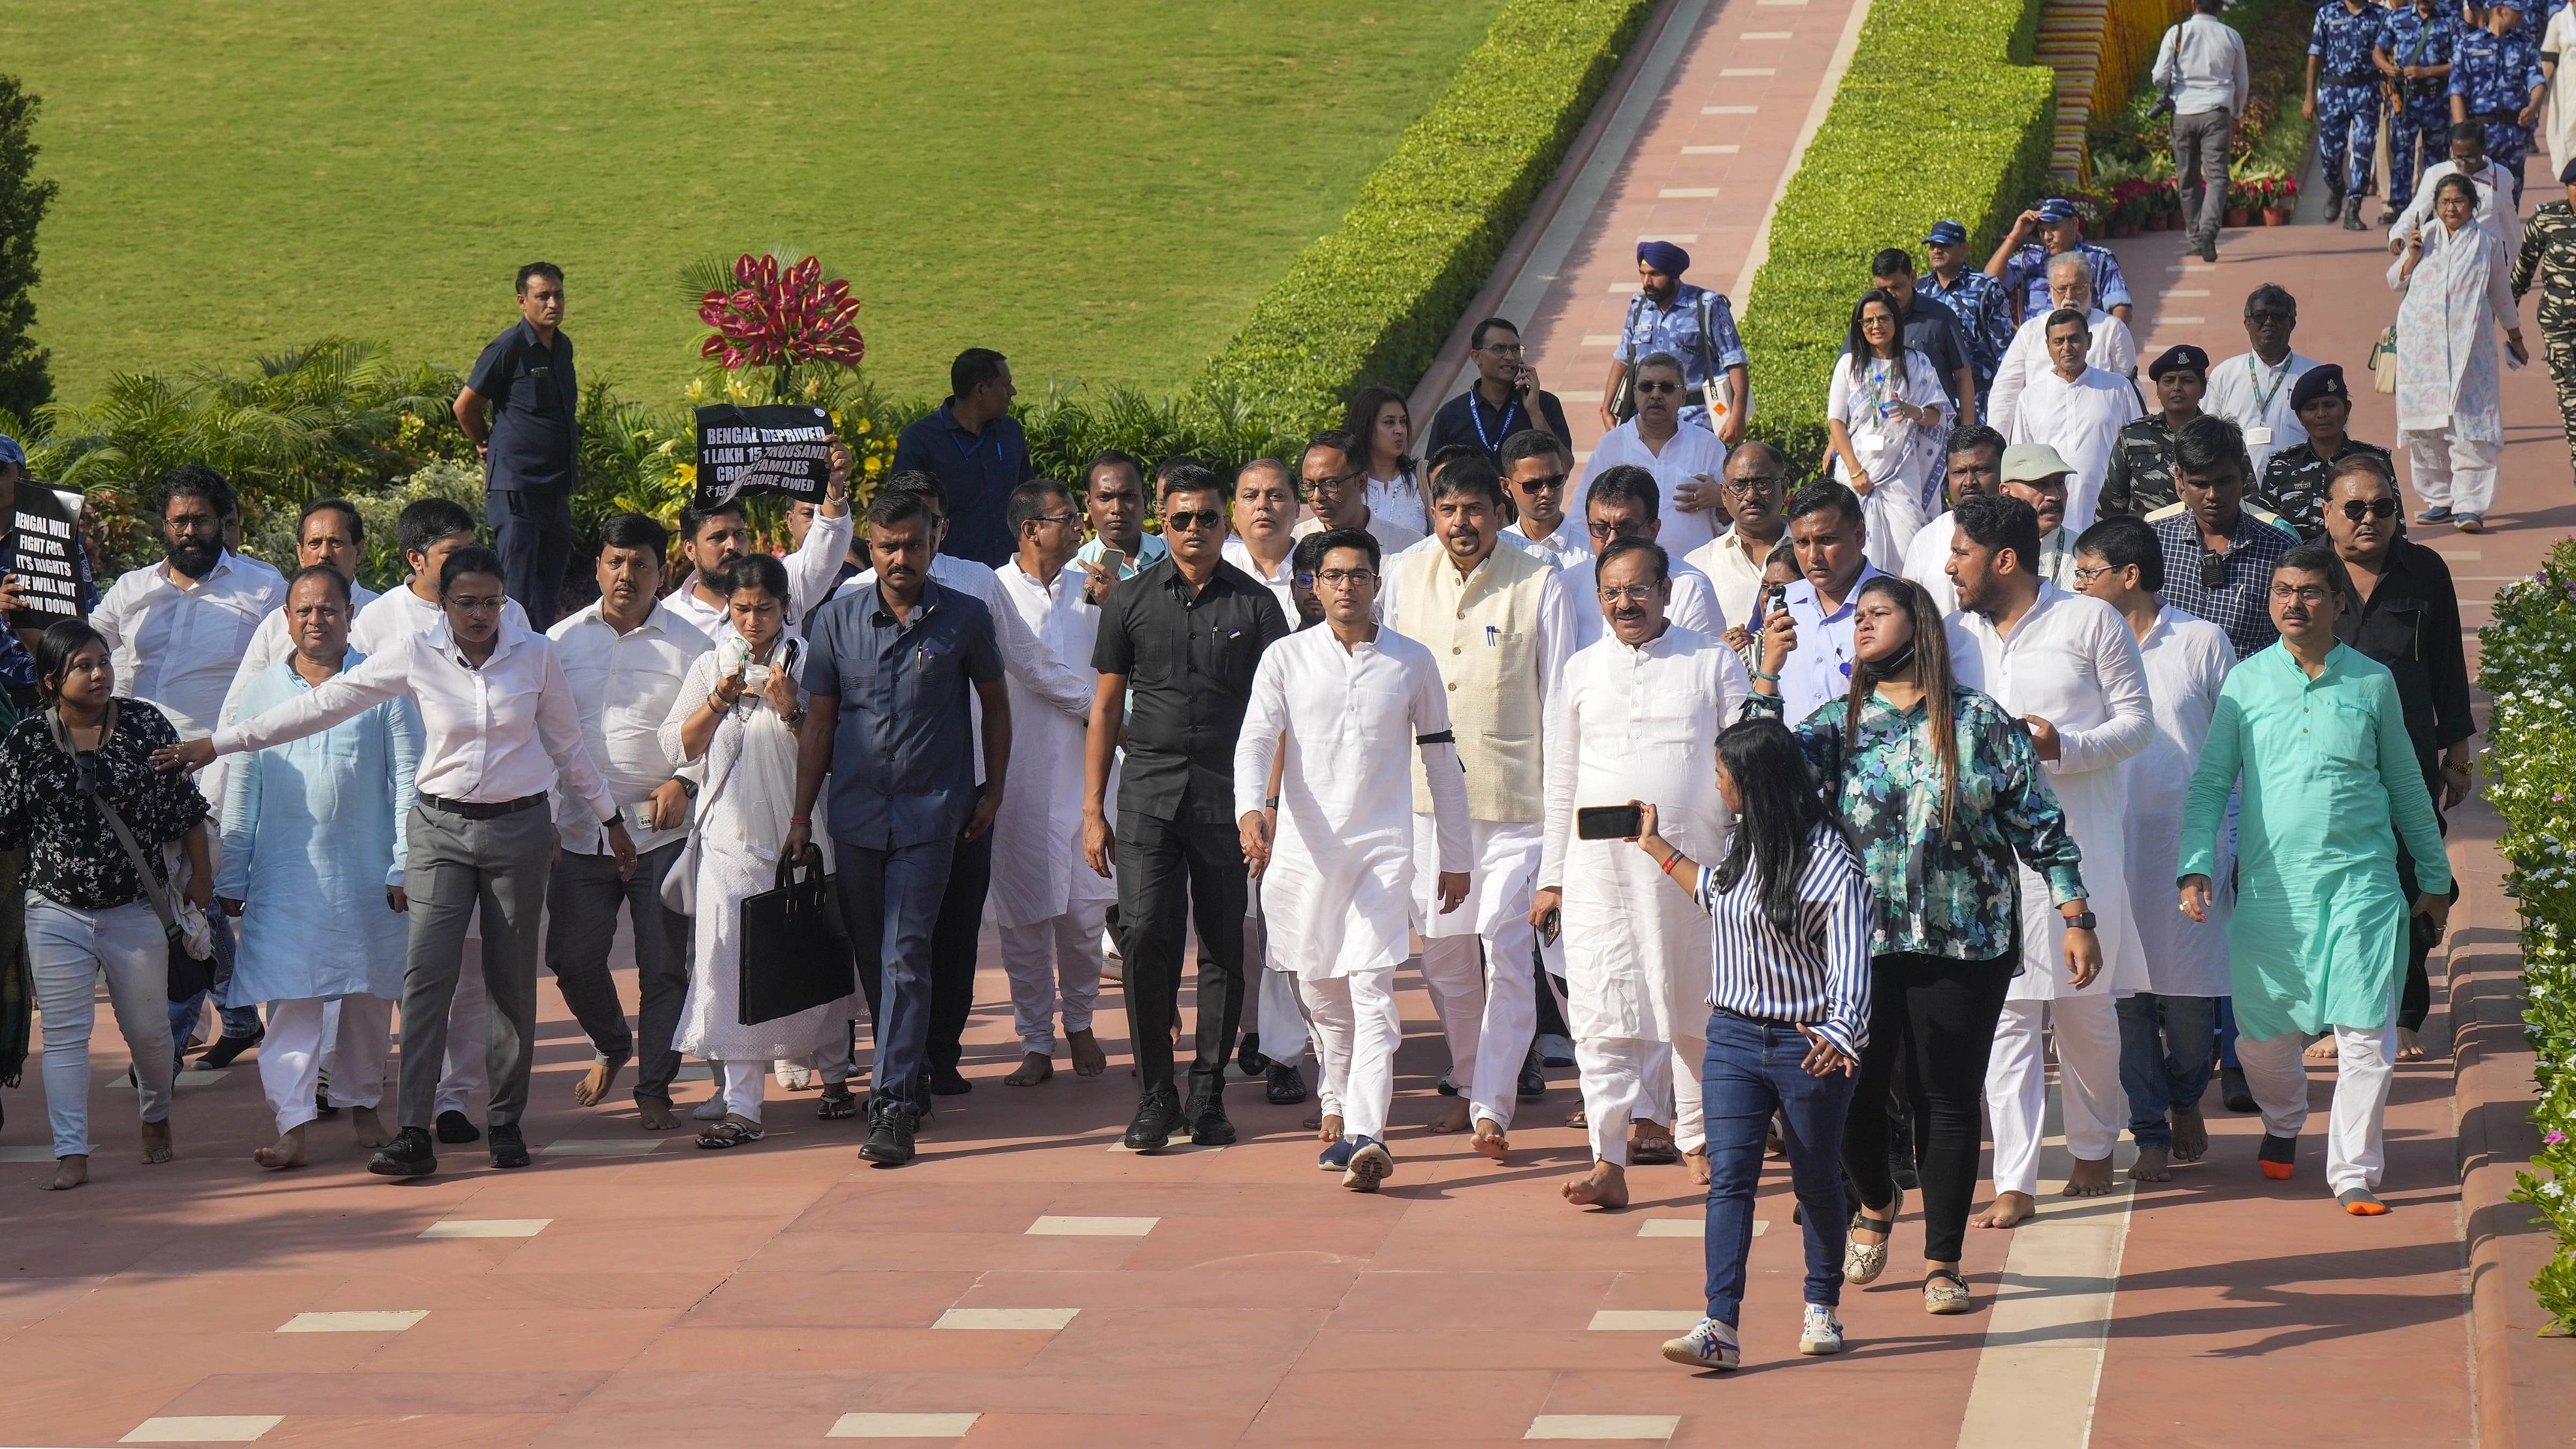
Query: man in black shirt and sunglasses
2219 552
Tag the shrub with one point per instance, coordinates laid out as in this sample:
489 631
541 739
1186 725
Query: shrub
24 383
1885 165
1371 301
2527 664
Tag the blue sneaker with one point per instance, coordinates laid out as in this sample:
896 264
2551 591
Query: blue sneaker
2464 522
1338 1156
2438 513
1710 1346
1370 1164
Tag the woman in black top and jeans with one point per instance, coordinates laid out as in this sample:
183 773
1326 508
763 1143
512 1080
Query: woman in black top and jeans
88 912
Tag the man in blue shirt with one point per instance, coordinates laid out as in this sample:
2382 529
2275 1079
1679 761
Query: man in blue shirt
2414 51
2343 98
975 447
890 670
1693 324
2040 234
1504 400
1985 314
531 442
2495 78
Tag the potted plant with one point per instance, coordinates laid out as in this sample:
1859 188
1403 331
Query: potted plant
2239 203
2281 201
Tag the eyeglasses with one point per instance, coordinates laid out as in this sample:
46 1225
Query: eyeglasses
1627 593
2357 509
1057 518
1191 520
2304 593
1503 349
2269 317
475 605
1659 387
2085 575
1332 485
1612 530
1544 483
1748 485
1343 578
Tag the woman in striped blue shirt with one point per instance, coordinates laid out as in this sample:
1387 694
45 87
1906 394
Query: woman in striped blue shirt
1788 1016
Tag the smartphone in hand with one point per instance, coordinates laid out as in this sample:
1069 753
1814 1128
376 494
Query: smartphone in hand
1608 822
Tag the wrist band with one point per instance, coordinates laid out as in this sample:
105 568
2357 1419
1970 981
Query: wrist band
800 819
1773 678
1668 861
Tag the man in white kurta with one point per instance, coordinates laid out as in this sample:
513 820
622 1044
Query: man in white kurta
1499 624
1686 462
2069 667
2112 349
1636 717
1621 503
1343 708
1046 904
2167 1030
1264 544
2079 410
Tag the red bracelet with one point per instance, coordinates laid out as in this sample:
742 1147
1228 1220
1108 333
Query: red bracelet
800 819
1669 860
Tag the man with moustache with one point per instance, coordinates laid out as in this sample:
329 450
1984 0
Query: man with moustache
1696 327
2077 409
1756 493
1976 469
1620 503
1537 469
1829 532
1685 461
1335 469
1113 500
2140 478
330 532
1266 501
713 537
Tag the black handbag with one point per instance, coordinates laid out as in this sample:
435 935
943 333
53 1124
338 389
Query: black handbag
189 975
795 949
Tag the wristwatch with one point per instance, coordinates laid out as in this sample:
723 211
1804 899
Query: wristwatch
2081 918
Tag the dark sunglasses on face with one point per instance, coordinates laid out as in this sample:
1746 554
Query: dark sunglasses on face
1544 483
1659 387
1192 520
2356 509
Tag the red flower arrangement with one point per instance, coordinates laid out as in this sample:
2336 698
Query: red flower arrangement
776 318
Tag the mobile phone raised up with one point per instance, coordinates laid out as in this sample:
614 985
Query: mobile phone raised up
1113 562
1608 822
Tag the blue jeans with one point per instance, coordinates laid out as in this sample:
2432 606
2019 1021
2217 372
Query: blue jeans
240 1020
2165 1054
1752 1070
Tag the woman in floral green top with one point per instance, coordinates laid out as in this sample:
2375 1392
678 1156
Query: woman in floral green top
1943 793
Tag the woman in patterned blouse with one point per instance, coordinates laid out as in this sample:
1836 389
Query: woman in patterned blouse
87 911
1943 794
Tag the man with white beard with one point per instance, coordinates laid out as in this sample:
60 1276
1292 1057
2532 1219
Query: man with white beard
1500 625
1635 718
1339 709
2068 667
2110 348
1046 904
2079 410
2168 1031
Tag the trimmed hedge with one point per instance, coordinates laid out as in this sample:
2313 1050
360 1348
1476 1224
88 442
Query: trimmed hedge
1371 301
1940 116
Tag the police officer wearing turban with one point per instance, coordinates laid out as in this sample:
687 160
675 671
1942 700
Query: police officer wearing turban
2140 479
2295 479
1693 324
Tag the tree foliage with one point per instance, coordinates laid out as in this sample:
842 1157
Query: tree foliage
25 384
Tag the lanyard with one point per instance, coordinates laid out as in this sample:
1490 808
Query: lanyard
1476 414
2262 399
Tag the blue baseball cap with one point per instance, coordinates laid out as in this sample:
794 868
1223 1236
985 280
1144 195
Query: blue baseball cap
1945 234
2057 208
10 452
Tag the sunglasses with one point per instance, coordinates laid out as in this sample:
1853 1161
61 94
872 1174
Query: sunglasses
2357 510
1544 483
1193 519
1659 387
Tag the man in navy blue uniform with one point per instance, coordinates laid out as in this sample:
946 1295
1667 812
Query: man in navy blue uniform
530 442
2343 99
2414 52
2496 79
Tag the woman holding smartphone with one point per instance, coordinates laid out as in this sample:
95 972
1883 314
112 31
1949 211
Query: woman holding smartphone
1886 414
1942 792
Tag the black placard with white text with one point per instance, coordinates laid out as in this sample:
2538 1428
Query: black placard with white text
41 544
742 451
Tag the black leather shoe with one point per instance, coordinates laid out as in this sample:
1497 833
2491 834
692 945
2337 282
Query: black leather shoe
221 1054
1287 1084
1209 1126
1157 1113
408 1155
457 1127
890 1132
1248 1056
949 1082
2232 1090
509 1148
1533 1083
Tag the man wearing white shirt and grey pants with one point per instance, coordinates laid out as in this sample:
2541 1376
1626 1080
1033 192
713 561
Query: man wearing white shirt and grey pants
2200 67
627 658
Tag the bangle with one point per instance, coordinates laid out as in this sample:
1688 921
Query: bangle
1669 860
800 819
795 719
1773 678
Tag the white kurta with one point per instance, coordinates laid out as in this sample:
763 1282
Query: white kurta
1565 548
2082 421
1736 576
1693 605
1637 723
2071 661
2448 377
2255 396
2026 357
1038 870
1338 895
1928 561
2186 659
2493 182
1900 456
1687 455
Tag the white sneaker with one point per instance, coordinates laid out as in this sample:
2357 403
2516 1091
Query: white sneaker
1710 1346
1822 1332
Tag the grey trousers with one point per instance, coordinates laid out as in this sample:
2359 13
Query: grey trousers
454 864
2200 141
581 926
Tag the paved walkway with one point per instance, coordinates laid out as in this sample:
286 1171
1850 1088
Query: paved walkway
1027 1283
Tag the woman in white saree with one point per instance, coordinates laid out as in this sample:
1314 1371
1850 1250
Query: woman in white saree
1886 415
2456 290
738 711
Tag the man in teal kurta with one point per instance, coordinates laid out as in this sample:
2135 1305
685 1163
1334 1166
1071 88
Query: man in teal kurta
2316 735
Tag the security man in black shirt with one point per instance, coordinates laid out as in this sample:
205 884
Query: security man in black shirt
531 442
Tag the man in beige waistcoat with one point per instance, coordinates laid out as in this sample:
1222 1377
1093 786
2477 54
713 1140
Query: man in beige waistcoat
1499 623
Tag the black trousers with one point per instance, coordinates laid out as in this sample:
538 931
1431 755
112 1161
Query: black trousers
952 950
1166 868
532 532
2415 998
1938 1016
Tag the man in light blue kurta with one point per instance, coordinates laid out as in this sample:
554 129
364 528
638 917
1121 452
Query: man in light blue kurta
313 866
2315 733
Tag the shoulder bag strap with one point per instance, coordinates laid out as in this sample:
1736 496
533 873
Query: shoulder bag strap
124 837
1708 393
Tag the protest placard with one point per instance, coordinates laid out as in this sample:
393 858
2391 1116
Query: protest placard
748 450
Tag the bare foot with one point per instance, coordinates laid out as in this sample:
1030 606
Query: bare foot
2009 1210
288 1151
156 1142
1452 1118
2320 1050
1034 1067
1697 1162
369 1127
1088 1059
2088 1179
1328 1127
2190 1136
2410 1047
654 1114
594 1084
69 1173
1606 1186
1491 1141
2153 1165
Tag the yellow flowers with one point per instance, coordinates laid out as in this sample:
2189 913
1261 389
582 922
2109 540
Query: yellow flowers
687 473
813 388
863 425
836 417
669 447
875 466
736 389
696 390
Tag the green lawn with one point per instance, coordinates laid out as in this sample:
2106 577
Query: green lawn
1100 188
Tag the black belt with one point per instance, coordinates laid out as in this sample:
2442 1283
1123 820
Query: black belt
2357 78
483 810
2496 118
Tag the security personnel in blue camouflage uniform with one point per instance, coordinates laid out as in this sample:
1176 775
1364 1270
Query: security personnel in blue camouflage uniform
1695 325
2495 78
2414 52
1985 314
2343 99
2038 235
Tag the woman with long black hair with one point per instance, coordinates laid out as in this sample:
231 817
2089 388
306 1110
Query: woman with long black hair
1942 792
1379 418
1788 1018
